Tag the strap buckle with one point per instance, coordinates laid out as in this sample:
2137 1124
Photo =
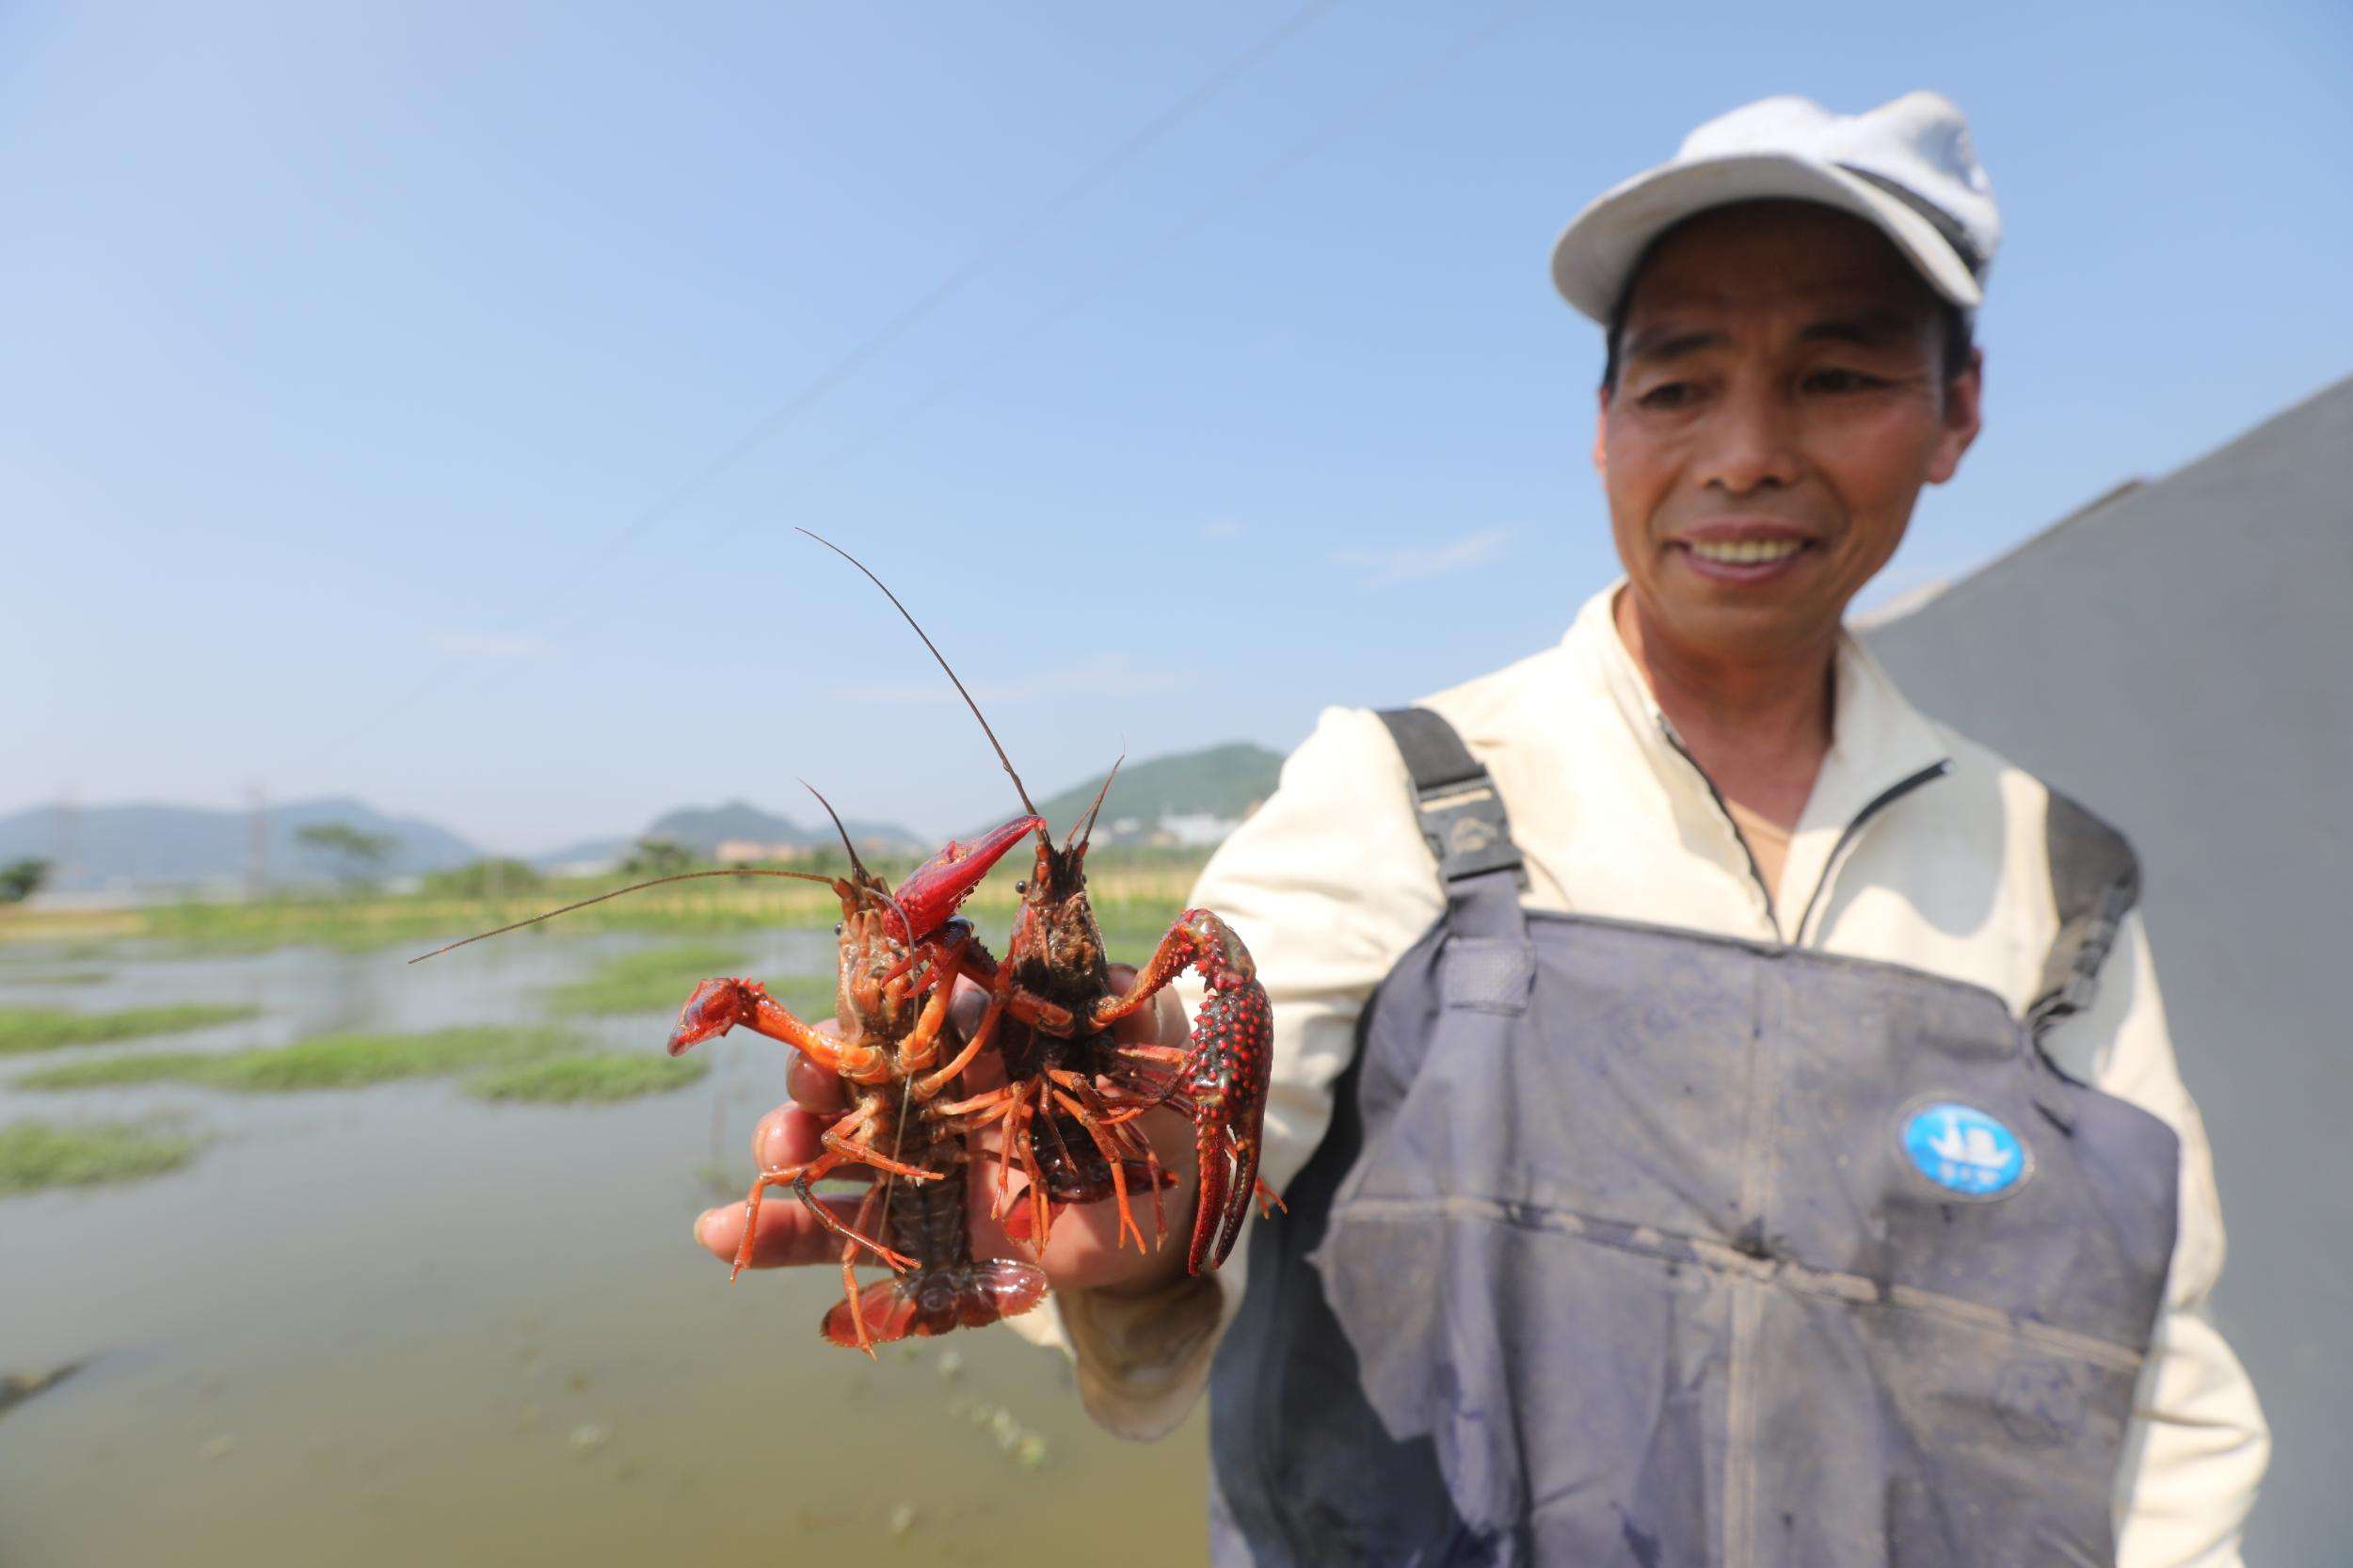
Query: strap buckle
1463 824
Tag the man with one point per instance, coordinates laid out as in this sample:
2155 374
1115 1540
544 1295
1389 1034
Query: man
1726 1118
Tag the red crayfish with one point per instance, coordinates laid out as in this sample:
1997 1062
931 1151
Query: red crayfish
1055 979
899 956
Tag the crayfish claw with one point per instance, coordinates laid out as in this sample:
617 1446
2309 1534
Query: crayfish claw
1223 1089
716 1006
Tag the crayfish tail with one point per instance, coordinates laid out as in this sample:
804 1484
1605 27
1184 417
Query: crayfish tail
935 1300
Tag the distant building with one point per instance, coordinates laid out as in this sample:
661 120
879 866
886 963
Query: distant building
737 852
1192 829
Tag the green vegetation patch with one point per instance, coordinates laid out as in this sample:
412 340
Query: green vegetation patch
162 1066
656 980
322 1062
35 1155
1132 930
587 1077
31 1029
808 997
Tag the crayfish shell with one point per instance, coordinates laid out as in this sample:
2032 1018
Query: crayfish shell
935 1301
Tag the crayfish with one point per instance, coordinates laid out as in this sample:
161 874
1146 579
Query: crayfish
1055 979
900 953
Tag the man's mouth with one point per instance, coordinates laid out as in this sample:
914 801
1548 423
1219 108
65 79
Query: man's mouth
1742 552
1746 552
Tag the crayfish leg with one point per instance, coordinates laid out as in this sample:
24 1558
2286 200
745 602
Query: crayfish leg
849 1275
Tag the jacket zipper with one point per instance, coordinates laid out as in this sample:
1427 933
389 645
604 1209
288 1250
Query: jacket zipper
1848 834
1756 873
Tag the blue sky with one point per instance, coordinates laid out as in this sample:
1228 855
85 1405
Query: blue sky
383 379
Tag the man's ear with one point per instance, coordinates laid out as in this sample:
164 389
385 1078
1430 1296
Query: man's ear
1963 402
1600 431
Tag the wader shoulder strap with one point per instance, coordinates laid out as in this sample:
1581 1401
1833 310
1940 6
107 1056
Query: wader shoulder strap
1462 821
2095 880
1462 818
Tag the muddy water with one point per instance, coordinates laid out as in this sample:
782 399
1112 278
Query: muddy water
394 1325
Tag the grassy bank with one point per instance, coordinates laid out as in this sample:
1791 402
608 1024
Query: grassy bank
588 1078
544 1064
652 980
35 1155
346 1061
31 1029
1130 895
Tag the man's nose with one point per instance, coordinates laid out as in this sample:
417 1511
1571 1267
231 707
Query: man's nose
1752 443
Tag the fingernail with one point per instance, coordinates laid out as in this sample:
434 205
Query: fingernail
703 1222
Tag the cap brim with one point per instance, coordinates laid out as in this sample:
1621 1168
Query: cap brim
1599 247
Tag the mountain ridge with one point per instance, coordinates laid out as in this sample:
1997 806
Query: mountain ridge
1221 781
159 843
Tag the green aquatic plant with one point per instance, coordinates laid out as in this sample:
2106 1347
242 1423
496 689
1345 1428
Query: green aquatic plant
346 1060
586 1078
652 980
32 1029
158 1066
35 1155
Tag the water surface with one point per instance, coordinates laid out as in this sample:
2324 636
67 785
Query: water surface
396 1324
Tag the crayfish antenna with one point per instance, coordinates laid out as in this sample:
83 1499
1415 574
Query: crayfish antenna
1045 838
857 867
867 883
1082 831
833 882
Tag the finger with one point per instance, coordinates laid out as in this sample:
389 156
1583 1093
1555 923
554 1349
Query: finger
988 1070
787 1233
815 1090
1161 1022
790 1136
966 1005
1086 1249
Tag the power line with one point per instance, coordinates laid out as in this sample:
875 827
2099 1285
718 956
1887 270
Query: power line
1300 151
814 391
1070 305
1330 130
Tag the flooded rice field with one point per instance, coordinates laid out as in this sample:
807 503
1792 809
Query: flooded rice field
401 1322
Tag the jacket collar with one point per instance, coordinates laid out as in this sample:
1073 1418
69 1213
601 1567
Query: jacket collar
1880 746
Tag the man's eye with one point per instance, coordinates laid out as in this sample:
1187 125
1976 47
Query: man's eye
1835 381
1667 396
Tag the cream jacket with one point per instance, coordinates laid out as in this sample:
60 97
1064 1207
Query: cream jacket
1330 883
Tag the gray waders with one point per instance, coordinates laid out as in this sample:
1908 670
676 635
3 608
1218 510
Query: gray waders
1632 1245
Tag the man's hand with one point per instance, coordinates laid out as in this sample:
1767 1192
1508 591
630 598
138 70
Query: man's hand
1084 1252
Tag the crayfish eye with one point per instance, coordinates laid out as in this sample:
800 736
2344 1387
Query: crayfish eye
836 928
1021 888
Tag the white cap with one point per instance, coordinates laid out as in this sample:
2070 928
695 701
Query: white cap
1908 167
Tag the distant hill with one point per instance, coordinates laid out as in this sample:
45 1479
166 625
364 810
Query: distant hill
138 844
703 828
157 845
585 851
1224 781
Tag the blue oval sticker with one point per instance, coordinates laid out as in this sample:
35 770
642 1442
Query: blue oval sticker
1963 1150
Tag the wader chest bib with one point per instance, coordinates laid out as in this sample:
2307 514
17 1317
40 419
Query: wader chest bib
1637 1246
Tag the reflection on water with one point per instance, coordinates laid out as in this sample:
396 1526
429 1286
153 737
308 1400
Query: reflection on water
395 1325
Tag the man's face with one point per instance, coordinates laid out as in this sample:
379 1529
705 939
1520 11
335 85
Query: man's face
1781 399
